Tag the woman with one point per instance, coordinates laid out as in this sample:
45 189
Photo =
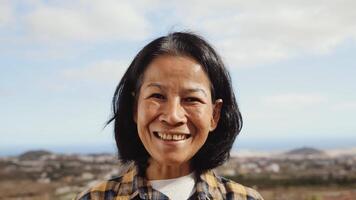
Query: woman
176 118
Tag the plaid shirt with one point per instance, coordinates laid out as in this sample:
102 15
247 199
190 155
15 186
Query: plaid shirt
132 186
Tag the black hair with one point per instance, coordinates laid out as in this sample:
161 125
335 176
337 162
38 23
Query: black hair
216 149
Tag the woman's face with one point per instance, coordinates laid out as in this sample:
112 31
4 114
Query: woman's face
174 112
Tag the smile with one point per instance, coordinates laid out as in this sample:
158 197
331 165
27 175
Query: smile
171 137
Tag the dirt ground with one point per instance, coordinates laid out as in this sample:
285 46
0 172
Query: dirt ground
309 193
27 190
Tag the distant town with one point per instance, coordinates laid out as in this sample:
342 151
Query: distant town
45 175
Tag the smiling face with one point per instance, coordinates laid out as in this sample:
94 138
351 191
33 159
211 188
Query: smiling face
175 112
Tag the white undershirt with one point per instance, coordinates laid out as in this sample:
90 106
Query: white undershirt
176 188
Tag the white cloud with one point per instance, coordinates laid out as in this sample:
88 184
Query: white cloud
103 71
6 13
4 92
293 100
255 32
345 106
290 108
87 21
246 33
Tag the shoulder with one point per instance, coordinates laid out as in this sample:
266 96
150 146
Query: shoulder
222 188
120 186
235 190
100 191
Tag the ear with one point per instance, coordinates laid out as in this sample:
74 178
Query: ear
216 114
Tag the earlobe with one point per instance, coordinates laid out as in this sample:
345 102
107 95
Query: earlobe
216 114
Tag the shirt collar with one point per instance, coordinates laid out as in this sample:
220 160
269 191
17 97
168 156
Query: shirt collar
207 185
140 185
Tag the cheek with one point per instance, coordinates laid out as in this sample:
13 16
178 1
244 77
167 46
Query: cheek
146 112
201 117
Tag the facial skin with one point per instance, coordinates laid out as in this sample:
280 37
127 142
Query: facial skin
174 114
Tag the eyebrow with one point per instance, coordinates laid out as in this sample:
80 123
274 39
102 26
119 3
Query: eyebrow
191 90
197 90
155 85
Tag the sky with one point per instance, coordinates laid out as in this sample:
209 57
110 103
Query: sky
292 65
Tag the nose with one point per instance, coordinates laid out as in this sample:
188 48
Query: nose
173 113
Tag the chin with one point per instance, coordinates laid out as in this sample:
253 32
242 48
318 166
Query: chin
172 161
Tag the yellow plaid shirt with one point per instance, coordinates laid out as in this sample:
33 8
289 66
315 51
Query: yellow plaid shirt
130 185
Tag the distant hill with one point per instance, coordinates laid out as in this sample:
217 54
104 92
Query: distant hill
34 155
305 151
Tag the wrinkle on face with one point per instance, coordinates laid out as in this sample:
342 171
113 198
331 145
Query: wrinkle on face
175 96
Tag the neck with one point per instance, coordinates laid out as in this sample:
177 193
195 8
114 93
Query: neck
157 171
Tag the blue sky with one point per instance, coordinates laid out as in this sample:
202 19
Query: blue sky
292 65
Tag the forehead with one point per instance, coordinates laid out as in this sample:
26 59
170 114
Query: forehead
173 70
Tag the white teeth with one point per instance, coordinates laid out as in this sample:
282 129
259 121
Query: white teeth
174 137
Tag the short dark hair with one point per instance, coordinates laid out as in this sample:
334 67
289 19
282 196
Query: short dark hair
216 149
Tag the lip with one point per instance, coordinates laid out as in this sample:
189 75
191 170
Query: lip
172 141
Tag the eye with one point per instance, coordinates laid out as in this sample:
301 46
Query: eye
192 100
157 96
